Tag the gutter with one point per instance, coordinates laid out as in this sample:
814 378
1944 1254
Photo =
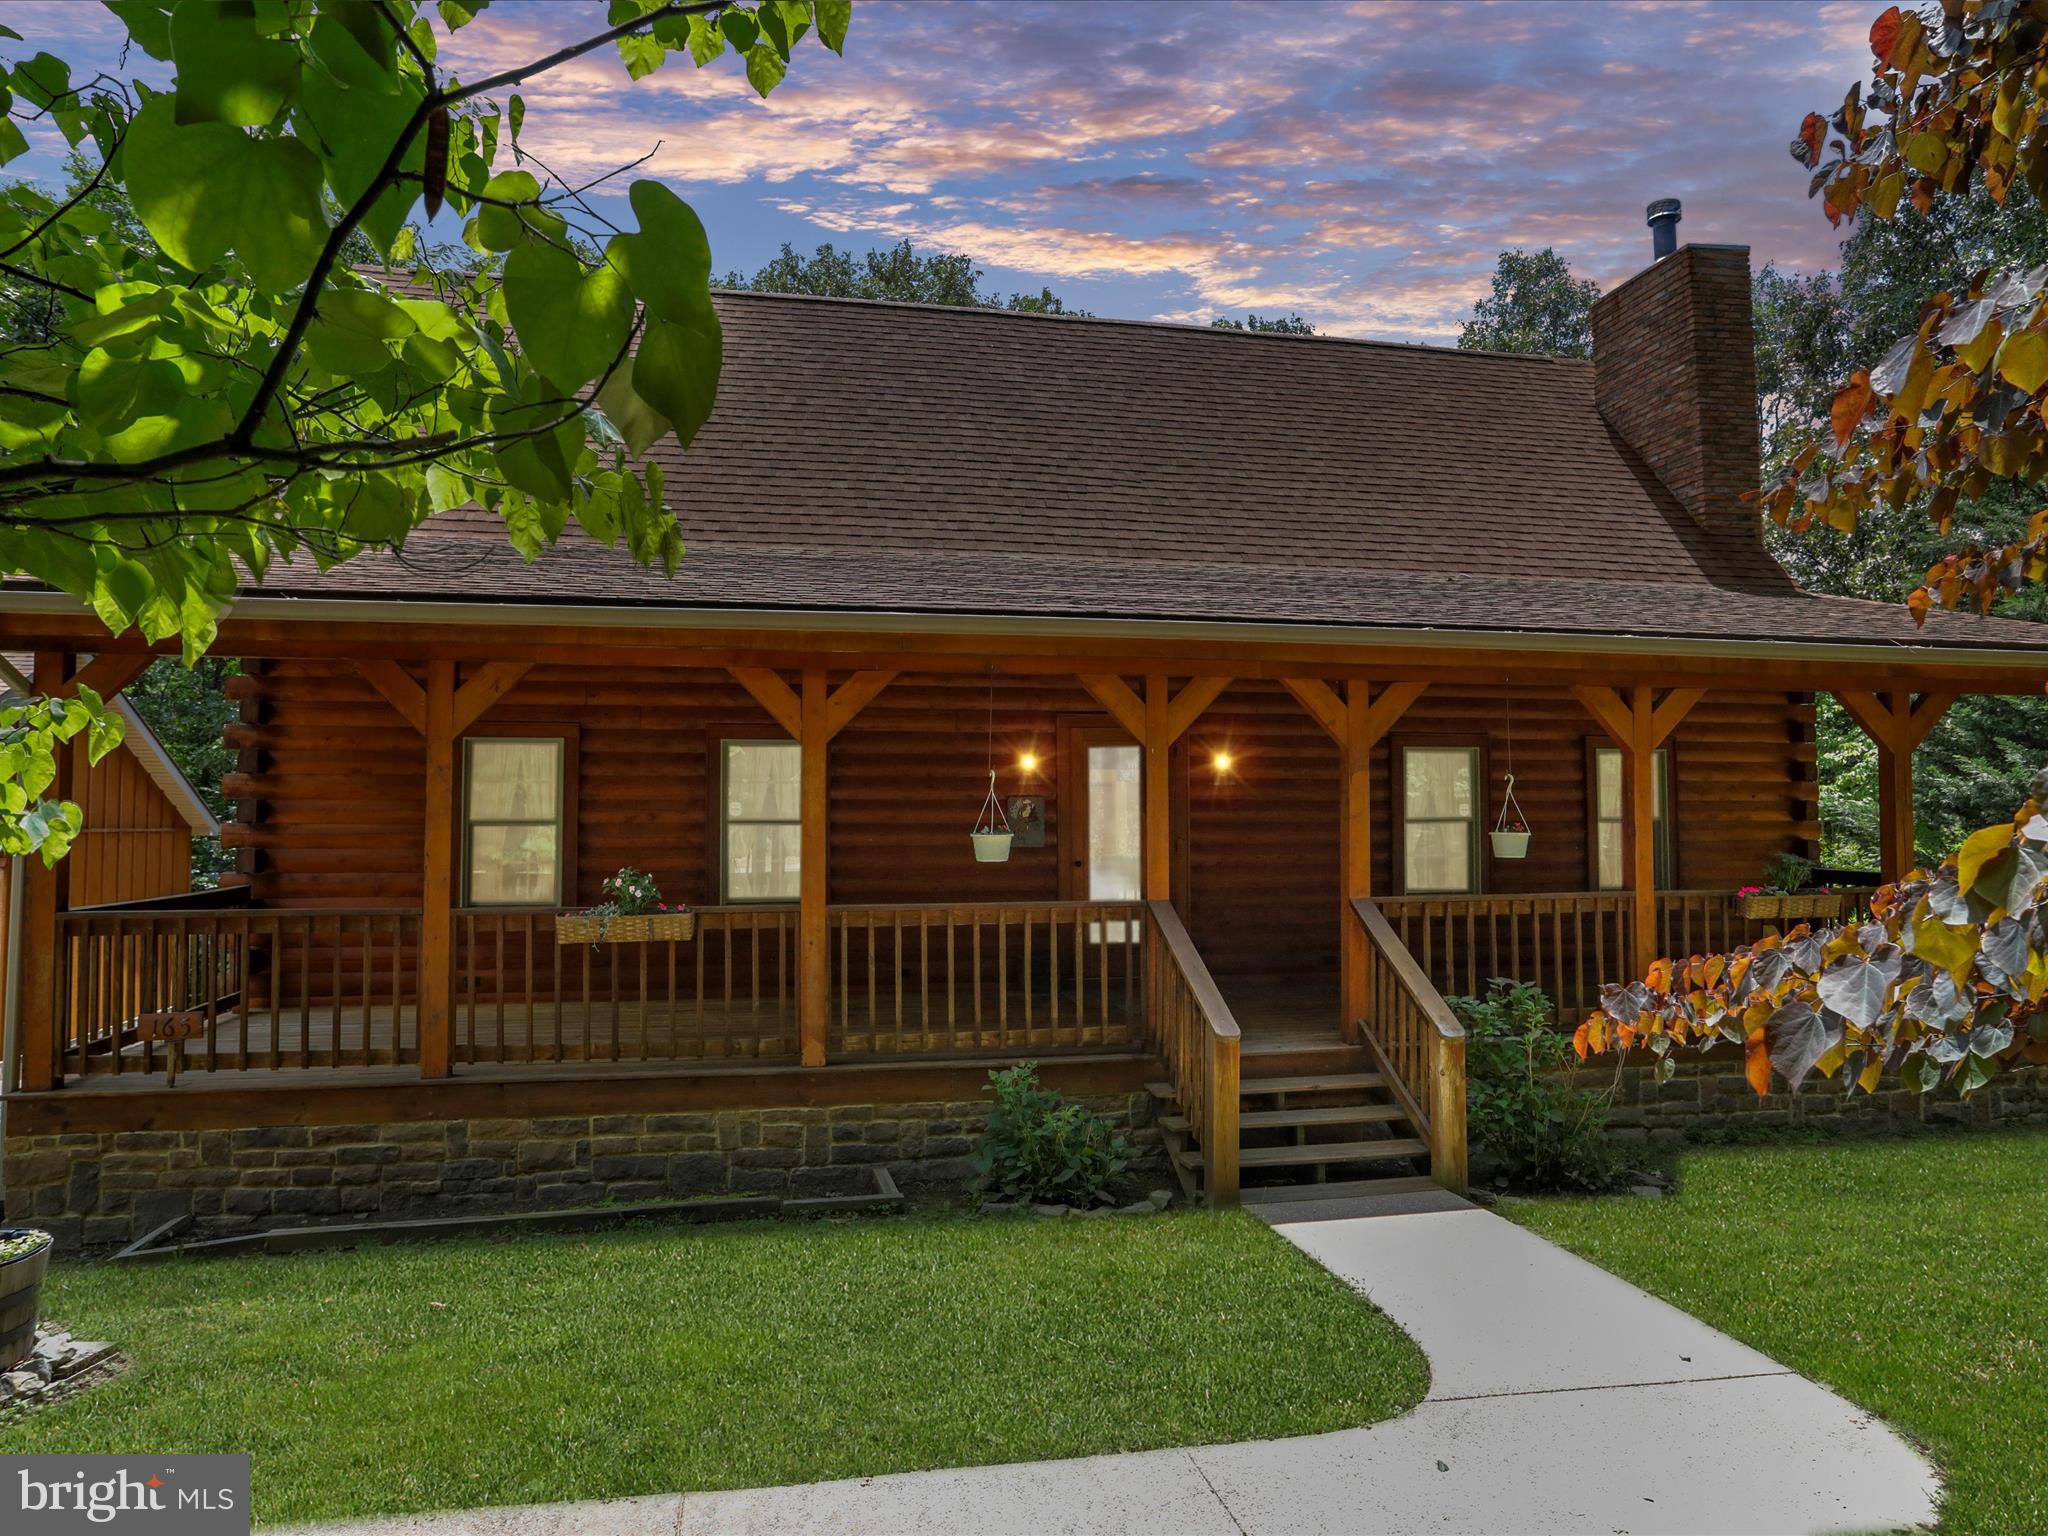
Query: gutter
841 621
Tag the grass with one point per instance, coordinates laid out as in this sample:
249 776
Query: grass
1911 1276
392 1380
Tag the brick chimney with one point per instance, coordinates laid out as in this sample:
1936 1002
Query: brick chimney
1674 373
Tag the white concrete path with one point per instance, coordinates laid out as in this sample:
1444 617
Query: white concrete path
1561 1400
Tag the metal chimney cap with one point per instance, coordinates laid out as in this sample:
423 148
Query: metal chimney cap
1663 208
1662 217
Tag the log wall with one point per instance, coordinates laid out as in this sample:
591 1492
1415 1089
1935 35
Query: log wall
330 792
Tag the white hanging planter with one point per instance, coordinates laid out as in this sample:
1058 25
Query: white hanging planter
991 835
1511 833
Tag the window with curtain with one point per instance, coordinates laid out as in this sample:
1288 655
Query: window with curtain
1610 818
1439 820
760 821
512 821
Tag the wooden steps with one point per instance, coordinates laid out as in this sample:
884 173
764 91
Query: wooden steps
1308 1154
1279 1119
1260 1087
1338 1189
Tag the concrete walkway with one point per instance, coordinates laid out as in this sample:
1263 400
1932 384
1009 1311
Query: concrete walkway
1562 1400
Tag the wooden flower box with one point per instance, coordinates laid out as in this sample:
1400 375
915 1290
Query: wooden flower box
638 928
21 1289
1803 907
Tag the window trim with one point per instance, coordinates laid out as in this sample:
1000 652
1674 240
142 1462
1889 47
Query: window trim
571 741
1478 857
1667 835
722 872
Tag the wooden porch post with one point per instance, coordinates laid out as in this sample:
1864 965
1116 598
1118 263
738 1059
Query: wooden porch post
437 882
1155 723
813 717
1897 724
811 917
1356 722
44 893
1639 723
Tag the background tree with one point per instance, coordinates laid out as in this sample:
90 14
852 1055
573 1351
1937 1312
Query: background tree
179 411
187 708
1536 305
1948 981
1812 332
1289 324
900 274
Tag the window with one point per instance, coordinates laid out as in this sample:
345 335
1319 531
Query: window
760 829
1115 832
512 821
1610 819
1439 820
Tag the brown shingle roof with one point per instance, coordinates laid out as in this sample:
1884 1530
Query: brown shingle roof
915 458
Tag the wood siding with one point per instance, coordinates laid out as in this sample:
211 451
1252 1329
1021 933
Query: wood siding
135 843
333 778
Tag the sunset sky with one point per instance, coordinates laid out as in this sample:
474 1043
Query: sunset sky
1361 163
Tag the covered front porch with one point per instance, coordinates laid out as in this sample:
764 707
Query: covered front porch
1222 901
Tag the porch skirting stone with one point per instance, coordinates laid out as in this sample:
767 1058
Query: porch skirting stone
1708 1097
97 1190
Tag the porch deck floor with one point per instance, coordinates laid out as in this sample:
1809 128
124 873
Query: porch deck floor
1284 1013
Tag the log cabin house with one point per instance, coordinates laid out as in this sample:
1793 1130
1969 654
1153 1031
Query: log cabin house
1251 631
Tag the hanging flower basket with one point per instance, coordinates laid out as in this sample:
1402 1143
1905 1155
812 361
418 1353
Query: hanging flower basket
1511 834
991 835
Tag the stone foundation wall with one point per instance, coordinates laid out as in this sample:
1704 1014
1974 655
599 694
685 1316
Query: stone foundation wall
1711 1097
98 1190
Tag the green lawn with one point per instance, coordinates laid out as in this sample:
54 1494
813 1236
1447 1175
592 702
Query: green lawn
1912 1276
390 1380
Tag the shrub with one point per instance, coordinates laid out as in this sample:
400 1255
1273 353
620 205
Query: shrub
1042 1148
20 1242
1538 1129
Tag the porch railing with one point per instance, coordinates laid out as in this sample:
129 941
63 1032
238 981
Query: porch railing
729 992
1570 943
948 978
1189 1027
234 989
1419 1043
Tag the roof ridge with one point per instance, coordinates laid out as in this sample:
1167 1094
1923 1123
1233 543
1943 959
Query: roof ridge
1179 326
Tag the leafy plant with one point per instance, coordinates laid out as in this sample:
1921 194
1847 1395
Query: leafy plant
20 1242
1039 1146
629 893
1787 875
31 734
1537 1128
200 381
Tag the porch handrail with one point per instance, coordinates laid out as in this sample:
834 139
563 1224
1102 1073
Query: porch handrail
1191 1027
1419 1043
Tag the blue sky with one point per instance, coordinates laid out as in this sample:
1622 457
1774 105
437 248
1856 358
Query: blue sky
1362 163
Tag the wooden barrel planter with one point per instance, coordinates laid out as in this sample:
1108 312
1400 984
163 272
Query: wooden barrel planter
21 1292
638 928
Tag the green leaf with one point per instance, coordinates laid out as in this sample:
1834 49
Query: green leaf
739 27
765 68
12 142
40 81
667 262
502 228
352 121
707 40
642 54
834 16
203 189
571 324
228 72
639 423
676 370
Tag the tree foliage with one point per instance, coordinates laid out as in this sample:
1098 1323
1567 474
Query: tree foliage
193 392
1947 982
1289 324
1536 305
900 274
186 709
